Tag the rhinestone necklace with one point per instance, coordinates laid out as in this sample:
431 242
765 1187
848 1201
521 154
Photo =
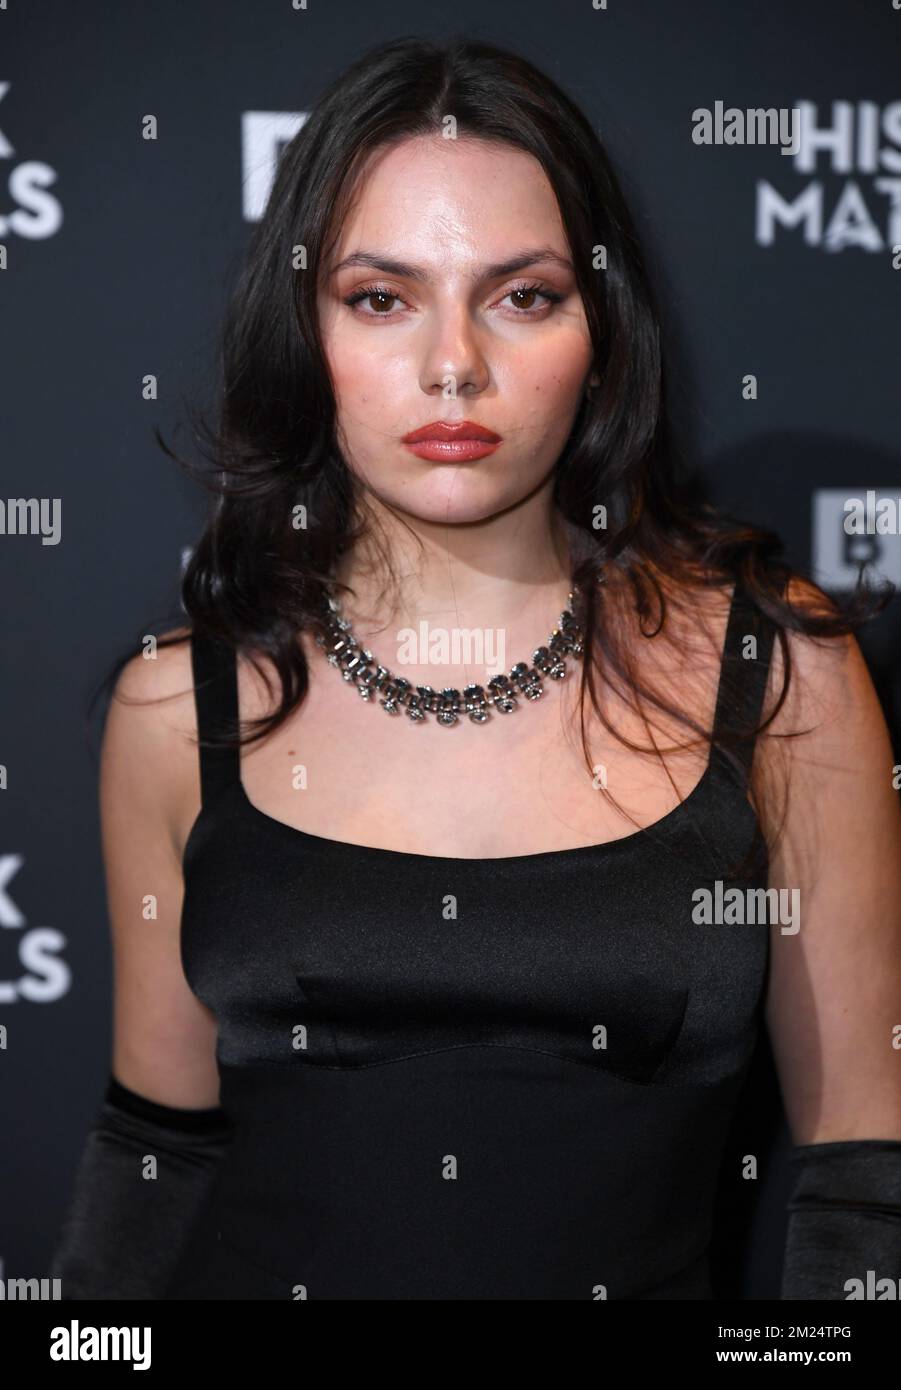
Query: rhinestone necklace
448 705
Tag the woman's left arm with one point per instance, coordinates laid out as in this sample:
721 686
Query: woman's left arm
834 998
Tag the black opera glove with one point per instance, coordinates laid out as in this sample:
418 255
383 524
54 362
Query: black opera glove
844 1220
123 1234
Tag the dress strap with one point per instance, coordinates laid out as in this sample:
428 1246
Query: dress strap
742 684
216 699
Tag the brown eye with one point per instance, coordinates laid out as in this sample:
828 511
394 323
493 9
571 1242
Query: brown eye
379 297
528 293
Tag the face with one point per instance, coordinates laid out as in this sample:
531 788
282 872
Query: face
435 325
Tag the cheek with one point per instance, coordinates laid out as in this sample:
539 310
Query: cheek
370 389
544 402
547 383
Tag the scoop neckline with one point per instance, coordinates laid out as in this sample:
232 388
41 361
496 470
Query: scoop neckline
635 837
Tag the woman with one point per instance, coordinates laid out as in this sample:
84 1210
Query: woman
408 1013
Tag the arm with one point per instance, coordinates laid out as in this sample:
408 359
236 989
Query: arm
164 1038
834 999
159 1134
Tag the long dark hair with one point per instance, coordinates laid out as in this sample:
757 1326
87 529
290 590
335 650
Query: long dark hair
256 577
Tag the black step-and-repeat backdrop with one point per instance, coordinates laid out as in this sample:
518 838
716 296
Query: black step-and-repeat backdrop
779 265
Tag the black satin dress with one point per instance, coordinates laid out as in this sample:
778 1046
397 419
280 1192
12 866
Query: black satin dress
471 1078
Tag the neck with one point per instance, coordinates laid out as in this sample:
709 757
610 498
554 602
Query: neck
507 578
505 572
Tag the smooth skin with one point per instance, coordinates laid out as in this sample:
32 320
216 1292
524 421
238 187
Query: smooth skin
450 209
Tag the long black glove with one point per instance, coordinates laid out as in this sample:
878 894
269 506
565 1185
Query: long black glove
844 1220
123 1233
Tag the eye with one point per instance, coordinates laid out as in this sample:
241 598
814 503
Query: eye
377 292
529 292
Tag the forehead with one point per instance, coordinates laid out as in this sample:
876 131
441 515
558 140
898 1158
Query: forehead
462 200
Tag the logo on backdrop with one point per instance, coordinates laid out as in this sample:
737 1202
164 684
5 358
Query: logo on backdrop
36 214
43 977
853 527
842 188
264 134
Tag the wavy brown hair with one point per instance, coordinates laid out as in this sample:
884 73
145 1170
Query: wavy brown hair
255 579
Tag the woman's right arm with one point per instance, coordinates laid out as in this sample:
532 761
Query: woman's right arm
164 1038
159 1135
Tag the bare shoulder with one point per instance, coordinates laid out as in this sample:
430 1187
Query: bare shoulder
157 684
831 703
825 670
674 650
694 617
149 752
684 650
825 731
824 746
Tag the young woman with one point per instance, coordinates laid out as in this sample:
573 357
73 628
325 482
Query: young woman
416 995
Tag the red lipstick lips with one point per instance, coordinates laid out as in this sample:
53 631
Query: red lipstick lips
457 441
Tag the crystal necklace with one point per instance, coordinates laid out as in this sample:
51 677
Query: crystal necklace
448 705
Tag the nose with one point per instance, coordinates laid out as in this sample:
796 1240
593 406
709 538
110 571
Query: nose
454 362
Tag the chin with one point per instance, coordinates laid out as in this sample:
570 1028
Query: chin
453 498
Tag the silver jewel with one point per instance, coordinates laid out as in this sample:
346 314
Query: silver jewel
395 694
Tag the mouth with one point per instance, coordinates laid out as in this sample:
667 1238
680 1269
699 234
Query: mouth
458 441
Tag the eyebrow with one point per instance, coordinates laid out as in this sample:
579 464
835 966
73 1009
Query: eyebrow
376 260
